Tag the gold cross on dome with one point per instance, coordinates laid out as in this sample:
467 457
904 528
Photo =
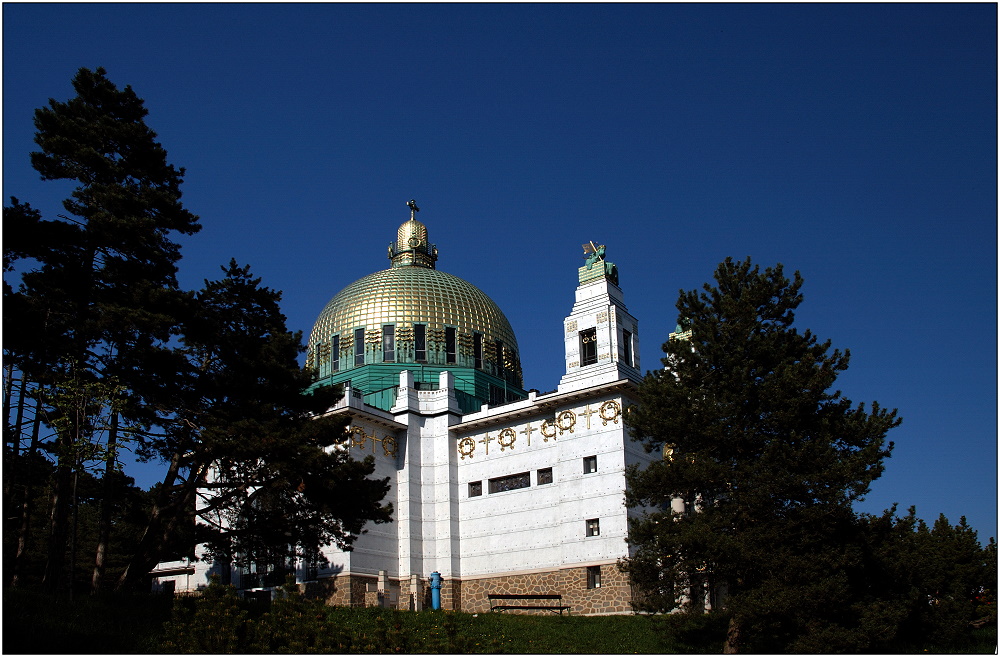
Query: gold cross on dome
413 209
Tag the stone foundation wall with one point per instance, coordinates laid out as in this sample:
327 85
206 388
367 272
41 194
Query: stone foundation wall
612 597
359 589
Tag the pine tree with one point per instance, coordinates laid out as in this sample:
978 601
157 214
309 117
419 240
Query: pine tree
762 463
104 285
240 427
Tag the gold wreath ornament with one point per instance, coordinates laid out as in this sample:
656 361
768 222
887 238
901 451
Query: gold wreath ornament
466 446
610 411
506 438
565 421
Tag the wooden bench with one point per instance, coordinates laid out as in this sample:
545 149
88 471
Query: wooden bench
501 606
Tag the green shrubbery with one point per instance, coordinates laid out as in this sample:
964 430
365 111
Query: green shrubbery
220 622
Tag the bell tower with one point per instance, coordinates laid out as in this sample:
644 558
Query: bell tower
601 337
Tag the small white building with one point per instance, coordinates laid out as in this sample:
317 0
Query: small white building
498 489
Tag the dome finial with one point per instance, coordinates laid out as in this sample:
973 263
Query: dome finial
412 247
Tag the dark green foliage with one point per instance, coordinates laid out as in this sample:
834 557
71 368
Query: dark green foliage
924 583
115 352
99 285
215 622
766 460
104 624
35 623
237 421
753 498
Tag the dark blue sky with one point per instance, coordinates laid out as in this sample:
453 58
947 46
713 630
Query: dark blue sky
856 143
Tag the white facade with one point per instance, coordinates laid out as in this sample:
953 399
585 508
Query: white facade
560 525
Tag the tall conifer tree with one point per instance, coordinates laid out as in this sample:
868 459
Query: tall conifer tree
761 461
250 459
106 283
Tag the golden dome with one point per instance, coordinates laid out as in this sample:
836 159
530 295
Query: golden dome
411 293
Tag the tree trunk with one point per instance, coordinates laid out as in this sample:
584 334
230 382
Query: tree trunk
107 503
162 521
732 646
27 506
55 565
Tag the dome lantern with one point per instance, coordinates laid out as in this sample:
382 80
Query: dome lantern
412 248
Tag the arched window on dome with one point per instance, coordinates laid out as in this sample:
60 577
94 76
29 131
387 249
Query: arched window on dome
449 344
420 343
498 346
477 350
359 347
388 343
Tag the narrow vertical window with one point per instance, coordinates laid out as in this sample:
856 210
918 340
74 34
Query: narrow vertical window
498 346
626 347
335 353
588 347
449 344
388 343
594 527
359 346
589 464
420 342
477 350
593 577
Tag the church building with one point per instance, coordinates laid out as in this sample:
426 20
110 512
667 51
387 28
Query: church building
496 489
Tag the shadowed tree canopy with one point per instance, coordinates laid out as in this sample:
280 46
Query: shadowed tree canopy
762 460
250 455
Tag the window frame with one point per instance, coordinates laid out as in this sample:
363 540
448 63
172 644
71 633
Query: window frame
450 345
626 350
590 464
588 347
359 346
593 527
420 343
500 484
476 488
539 474
593 577
388 343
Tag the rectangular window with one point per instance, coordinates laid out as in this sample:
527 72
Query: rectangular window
588 347
589 464
420 342
388 343
477 350
510 482
497 396
544 476
594 527
593 577
626 347
359 346
475 488
449 344
498 350
335 354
